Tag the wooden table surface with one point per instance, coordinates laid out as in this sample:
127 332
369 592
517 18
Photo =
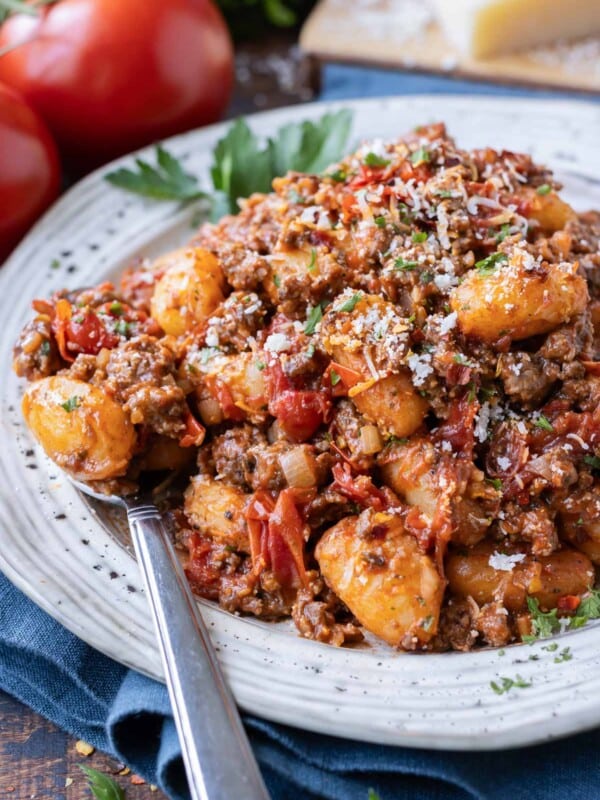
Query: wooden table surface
38 761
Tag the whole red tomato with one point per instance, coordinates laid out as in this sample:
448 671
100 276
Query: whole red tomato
109 76
29 168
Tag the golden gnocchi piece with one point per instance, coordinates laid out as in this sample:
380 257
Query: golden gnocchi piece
389 401
217 510
190 289
379 572
518 300
548 210
80 427
470 574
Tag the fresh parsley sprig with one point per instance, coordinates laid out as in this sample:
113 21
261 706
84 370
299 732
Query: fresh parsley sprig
167 180
102 786
242 164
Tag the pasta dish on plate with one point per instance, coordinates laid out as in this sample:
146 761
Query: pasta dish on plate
383 382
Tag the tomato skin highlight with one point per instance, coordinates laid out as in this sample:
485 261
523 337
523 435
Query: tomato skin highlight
29 168
110 76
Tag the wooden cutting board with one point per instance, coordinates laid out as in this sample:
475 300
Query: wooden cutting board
402 33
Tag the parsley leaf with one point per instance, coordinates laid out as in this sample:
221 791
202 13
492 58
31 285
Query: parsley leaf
240 166
506 684
313 260
495 482
545 188
543 623
379 221
543 423
373 160
401 263
102 786
309 146
351 302
314 317
71 404
592 461
334 378
487 265
164 181
589 608
503 232
419 156
419 237
564 655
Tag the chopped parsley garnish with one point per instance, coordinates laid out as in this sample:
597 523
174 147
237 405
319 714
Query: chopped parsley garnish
496 483
551 648
277 281
545 623
313 260
543 423
45 348
338 175
351 303
506 684
403 264
444 193
71 404
426 277
206 353
592 461
294 196
564 655
379 221
487 265
314 317
545 188
373 160
55 263
334 378
396 440
116 308
503 233
419 237
122 327
419 156
260 365
461 359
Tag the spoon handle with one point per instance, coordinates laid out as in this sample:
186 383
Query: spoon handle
218 759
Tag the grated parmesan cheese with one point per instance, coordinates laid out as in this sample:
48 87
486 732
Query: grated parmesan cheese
277 343
505 563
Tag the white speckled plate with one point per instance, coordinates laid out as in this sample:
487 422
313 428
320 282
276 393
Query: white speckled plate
55 550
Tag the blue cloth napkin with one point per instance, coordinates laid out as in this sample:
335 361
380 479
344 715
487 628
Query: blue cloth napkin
126 714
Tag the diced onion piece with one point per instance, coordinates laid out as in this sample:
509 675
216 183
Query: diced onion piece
370 439
210 410
299 468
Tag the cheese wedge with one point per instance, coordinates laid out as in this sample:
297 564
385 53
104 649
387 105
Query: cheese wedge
485 28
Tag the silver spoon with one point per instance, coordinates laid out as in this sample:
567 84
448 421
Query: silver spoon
218 760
